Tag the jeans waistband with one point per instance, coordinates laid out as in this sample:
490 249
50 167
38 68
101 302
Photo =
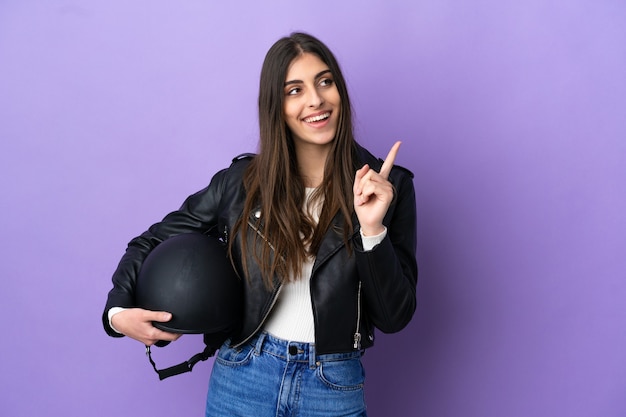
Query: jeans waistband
295 351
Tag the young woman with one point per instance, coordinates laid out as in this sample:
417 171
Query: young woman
324 235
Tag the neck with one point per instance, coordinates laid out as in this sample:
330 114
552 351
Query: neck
311 164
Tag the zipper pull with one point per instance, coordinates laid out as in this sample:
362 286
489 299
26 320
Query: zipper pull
357 341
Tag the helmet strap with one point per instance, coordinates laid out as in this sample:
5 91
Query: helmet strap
181 367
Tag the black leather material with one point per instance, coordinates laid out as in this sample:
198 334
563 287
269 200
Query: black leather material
388 273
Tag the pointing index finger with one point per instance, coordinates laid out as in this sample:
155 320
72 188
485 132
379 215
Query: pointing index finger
391 157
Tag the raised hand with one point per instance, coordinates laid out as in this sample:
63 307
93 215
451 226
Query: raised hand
373 194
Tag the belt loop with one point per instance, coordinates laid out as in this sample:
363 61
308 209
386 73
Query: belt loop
259 343
312 356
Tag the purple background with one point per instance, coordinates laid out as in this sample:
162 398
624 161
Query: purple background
513 117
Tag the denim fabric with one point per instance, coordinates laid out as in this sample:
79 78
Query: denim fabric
270 377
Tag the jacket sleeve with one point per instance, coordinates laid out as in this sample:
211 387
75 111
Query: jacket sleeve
389 271
197 214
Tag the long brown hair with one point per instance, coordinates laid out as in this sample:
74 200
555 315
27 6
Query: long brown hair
273 183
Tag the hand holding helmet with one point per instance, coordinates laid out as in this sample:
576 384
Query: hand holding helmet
137 324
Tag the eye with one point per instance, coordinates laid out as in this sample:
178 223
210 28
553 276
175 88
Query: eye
325 82
293 91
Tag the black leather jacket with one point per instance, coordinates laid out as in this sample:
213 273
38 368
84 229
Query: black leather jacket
352 291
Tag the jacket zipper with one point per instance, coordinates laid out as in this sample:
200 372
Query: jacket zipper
357 333
224 236
256 229
274 299
269 310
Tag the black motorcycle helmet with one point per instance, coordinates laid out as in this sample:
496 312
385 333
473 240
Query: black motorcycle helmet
190 276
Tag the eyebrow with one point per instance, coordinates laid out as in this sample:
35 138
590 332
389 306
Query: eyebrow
319 74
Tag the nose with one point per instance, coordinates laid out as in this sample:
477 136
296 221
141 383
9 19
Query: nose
315 98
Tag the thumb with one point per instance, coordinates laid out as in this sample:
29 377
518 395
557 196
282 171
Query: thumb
160 316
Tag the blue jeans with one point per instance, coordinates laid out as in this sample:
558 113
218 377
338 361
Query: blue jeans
270 377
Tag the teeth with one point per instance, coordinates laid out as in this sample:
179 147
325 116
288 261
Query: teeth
317 118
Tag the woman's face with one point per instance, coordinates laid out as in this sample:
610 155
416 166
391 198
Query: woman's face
312 102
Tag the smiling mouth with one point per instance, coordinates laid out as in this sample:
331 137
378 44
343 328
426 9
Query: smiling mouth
317 118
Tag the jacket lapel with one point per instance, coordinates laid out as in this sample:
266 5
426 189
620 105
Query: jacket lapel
333 240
